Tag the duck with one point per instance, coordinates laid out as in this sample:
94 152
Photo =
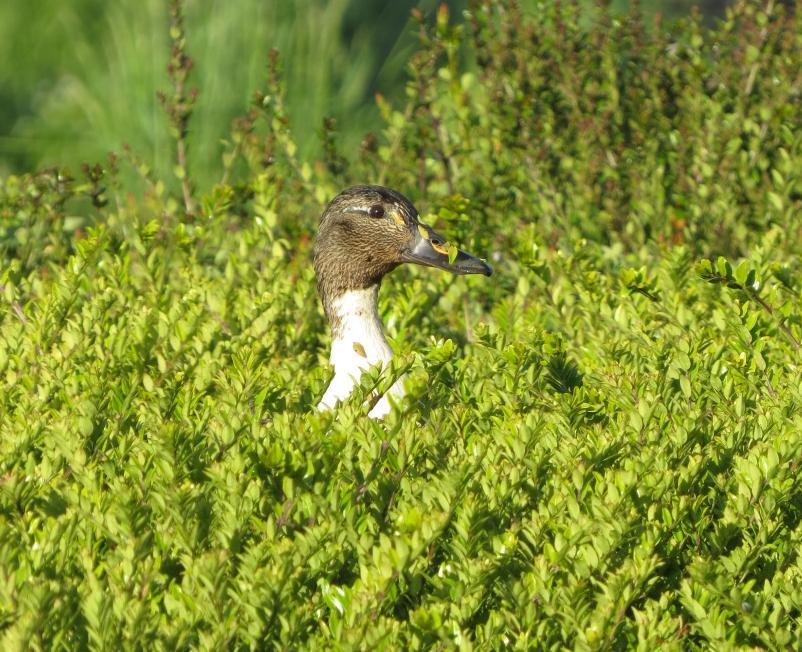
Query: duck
364 233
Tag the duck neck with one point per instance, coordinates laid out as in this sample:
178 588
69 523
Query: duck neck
357 335
357 343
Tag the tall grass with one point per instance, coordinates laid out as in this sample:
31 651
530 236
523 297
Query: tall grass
101 65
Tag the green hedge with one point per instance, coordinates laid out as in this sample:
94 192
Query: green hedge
601 444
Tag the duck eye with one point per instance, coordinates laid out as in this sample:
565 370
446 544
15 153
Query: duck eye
376 211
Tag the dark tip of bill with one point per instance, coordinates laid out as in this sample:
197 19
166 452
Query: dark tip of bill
481 267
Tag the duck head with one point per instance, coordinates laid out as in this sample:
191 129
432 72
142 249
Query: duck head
367 231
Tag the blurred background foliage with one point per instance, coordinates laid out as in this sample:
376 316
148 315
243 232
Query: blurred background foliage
80 79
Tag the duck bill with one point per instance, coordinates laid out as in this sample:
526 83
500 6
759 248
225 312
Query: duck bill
428 248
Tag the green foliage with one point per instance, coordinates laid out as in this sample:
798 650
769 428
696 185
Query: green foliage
600 446
80 78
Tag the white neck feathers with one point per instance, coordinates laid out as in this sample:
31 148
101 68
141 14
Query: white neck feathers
358 343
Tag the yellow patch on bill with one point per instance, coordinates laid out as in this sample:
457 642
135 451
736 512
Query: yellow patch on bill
443 249
360 349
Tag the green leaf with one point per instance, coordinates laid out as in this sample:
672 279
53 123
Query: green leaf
452 252
685 385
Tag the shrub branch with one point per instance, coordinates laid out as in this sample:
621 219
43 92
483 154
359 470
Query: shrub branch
179 107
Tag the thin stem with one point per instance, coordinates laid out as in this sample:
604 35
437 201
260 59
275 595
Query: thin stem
770 310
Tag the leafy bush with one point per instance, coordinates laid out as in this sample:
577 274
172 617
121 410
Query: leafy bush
600 446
